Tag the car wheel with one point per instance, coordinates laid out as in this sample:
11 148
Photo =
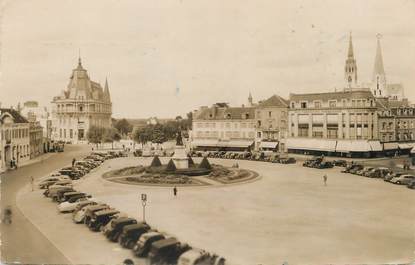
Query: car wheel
398 182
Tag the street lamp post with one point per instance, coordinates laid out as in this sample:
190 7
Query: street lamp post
144 202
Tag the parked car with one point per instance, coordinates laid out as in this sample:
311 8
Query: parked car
114 229
324 164
90 210
51 180
53 191
79 215
70 173
356 168
379 172
411 184
364 170
199 257
389 177
340 163
99 219
403 179
131 233
67 195
166 251
70 205
287 160
143 244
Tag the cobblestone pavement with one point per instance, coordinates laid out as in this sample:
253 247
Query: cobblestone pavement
287 215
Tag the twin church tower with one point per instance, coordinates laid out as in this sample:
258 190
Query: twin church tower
378 86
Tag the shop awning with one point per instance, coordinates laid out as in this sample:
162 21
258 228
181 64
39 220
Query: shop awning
311 144
272 145
405 146
346 146
390 146
376 146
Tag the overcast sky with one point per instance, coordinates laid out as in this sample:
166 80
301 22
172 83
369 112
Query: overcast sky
164 58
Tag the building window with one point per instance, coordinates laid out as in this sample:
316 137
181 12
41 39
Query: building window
259 123
303 105
303 130
259 134
70 133
292 105
332 103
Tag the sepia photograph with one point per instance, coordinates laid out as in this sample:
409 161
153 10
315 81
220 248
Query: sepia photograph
207 132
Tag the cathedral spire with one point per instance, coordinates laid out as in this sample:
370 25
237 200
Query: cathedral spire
106 90
350 69
379 86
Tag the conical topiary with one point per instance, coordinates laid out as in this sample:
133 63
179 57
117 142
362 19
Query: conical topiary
156 162
191 162
205 164
171 166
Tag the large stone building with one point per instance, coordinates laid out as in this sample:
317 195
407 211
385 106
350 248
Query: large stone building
342 123
14 138
221 127
83 104
271 117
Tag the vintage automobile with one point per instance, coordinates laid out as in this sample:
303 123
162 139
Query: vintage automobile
85 214
199 257
131 233
101 218
324 164
71 204
379 172
166 251
114 229
356 168
53 190
411 184
143 244
45 183
364 170
67 195
389 177
287 160
403 179
340 163
70 173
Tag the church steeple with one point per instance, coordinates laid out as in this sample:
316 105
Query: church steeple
350 69
379 76
250 100
107 91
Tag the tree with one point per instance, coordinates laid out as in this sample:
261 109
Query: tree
110 135
123 126
95 134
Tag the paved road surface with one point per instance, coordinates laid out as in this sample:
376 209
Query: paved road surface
22 241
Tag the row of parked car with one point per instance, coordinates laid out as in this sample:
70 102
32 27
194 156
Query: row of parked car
387 174
145 241
255 156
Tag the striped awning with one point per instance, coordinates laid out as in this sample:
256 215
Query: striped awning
272 145
311 144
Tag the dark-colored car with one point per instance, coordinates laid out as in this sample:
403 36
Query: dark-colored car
166 251
287 160
324 164
142 247
100 218
116 227
379 172
340 163
131 233
71 173
411 184
91 210
356 168
67 195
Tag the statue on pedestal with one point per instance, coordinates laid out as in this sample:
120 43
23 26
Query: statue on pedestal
179 139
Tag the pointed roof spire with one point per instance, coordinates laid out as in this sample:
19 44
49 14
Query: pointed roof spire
350 52
107 90
79 60
378 69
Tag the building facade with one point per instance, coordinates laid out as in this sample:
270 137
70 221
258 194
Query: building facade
271 116
341 123
83 104
14 138
35 113
221 127
35 139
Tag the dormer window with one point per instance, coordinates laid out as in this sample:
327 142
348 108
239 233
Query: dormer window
228 116
303 105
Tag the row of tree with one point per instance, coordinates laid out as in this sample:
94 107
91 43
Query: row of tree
98 135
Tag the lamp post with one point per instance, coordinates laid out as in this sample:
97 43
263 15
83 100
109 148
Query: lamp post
144 202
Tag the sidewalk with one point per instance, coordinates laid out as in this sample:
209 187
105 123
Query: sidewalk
36 159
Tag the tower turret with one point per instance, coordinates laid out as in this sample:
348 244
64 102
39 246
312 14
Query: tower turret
379 86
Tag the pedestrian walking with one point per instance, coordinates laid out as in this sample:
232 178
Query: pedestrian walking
325 179
7 215
175 191
32 183
73 162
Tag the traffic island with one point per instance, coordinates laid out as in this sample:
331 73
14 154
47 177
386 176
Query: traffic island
200 174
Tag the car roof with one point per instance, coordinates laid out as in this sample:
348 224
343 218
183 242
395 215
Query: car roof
123 220
106 212
150 234
95 207
407 175
135 226
72 193
165 242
